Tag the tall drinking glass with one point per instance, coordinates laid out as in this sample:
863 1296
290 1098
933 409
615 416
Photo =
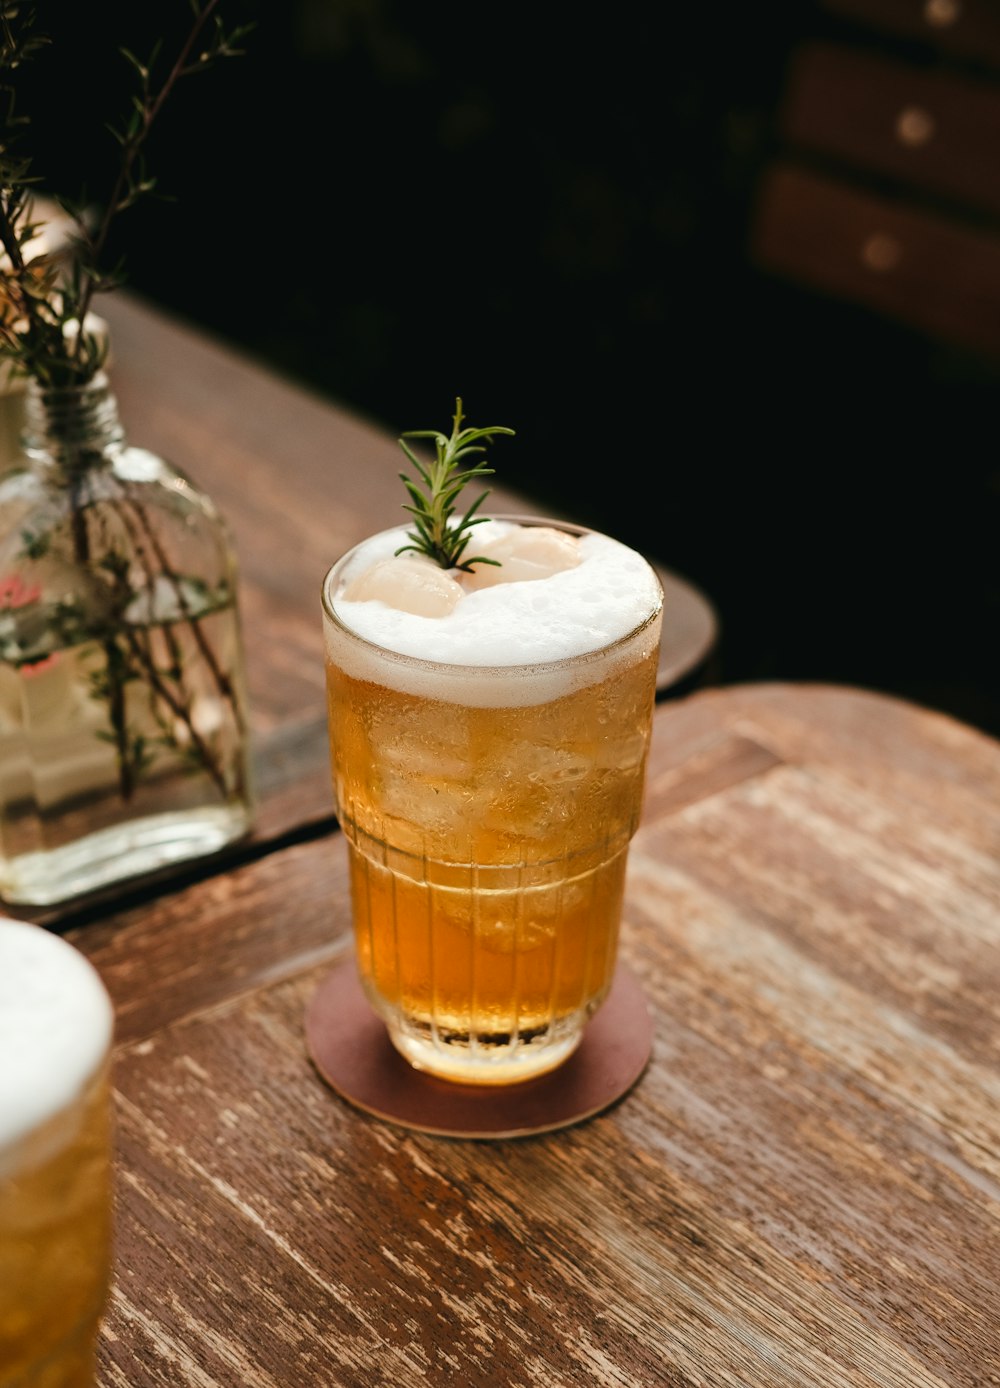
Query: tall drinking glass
489 735
55 1159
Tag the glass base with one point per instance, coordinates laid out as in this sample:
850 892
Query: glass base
121 852
489 1060
348 1043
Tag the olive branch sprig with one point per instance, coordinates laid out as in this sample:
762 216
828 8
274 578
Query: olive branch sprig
435 534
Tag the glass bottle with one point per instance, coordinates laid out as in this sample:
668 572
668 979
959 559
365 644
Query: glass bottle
123 726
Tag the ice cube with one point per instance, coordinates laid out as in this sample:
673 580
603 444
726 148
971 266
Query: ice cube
408 583
535 551
503 932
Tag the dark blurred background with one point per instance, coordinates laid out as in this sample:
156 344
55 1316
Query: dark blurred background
732 272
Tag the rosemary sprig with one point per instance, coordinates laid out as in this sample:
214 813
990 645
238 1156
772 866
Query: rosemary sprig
435 534
39 297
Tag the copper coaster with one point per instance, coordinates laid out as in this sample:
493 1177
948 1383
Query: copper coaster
351 1049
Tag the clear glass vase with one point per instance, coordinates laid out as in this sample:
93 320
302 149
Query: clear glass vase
123 728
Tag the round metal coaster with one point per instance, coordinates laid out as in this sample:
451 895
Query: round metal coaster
351 1049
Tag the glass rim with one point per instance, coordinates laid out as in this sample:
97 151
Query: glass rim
421 663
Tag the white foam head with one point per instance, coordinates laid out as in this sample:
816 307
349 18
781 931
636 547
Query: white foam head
612 592
56 1023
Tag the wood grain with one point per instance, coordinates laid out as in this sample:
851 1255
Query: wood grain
850 104
933 272
963 30
803 1189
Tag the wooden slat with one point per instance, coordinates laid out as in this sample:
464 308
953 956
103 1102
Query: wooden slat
803 1189
963 29
215 940
930 272
936 132
926 759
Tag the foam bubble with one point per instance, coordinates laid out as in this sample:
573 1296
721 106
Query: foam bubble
609 593
56 1023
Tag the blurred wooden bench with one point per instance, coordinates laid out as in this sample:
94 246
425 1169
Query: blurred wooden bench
884 189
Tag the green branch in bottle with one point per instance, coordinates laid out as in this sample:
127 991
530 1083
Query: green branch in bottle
437 535
41 295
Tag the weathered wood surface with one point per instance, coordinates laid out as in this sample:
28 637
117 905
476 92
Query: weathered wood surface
803 1189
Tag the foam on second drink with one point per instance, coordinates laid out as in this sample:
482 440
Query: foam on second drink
492 621
55 1027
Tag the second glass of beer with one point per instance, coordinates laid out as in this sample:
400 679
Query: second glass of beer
489 754
56 1159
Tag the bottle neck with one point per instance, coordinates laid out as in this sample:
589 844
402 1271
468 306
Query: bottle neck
71 429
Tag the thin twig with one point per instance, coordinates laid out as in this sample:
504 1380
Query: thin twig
181 704
222 680
130 152
177 708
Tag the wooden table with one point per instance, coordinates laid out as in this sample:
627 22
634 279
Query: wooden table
802 1189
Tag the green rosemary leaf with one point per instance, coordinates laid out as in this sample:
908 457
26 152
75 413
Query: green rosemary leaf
436 534
421 503
467 520
416 463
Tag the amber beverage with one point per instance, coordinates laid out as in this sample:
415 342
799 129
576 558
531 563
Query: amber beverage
55 1160
488 805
